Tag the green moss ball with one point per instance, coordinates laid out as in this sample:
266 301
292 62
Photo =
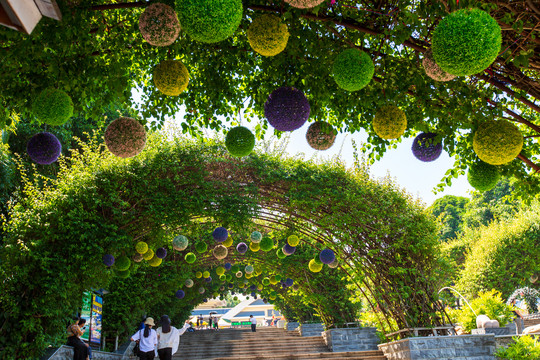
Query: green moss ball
209 21
267 35
122 274
483 176
141 247
190 258
201 247
171 77
497 142
122 263
390 122
266 244
353 69
240 141
466 42
53 107
280 254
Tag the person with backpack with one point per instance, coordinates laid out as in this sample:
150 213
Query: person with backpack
147 340
169 338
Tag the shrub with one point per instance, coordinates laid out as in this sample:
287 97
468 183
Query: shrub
353 69
426 148
523 347
180 242
483 176
44 148
466 42
267 35
141 247
304 4
240 141
390 122
53 107
209 21
125 137
320 135
497 142
433 70
159 25
286 109
171 77
530 296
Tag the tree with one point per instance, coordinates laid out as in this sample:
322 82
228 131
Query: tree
449 211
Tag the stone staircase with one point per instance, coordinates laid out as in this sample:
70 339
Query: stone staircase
265 344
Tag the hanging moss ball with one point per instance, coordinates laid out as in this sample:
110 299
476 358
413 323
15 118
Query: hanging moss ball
220 234
483 176
288 249
239 274
334 264
267 35
266 281
497 142
141 247
296 287
229 277
273 280
390 122
466 42
220 252
293 240
171 77
227 266
254 247
209 21
180 294
123 263
228 242
123 274
241 286
189 283
108 260
320 135
304 4
201 247
278 277
180 242
161 253
426 148
249 269
198 274
280 254
272 297
148 254
53 107
353 69
125 137
248 276
44 148
206 274
289 282
240 141
314 266
256 237
433 70
155 261
208 279
242 248
137 257
220 270
235 268
318 260
327 256
287 109
202 290
159 25
222 277
266 244
190 258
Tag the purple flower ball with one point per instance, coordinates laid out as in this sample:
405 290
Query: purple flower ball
327 256
253 288
220 234
44 148
253 294
161 253
180 294
425 148
242 248
289 282
287 109
205 300
227 266
208 279
230 286
108 260
288 249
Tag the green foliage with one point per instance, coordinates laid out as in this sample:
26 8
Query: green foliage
483 176
53 107
523 348
267 35
353 69
466 42
240 141
390 122
449 211
529 296
171 77
497 142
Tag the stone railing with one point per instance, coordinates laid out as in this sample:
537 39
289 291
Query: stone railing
65 352
351 339
291 326
311 329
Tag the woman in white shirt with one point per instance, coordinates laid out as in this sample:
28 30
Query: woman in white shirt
169 338
148 340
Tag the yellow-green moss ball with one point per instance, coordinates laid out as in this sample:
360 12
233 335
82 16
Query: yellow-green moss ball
228 242
155 261
267 35
254 247
390 122
171 77
314 266
198 274
148 255
497 142
293 240
141 247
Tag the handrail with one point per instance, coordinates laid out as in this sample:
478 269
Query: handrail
463 297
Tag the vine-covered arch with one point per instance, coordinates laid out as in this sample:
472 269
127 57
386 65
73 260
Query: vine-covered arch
55 240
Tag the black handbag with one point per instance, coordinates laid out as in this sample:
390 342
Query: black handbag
136 348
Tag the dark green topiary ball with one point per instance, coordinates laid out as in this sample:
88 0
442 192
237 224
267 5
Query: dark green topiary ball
53 107
190 258
201 247
209 21
466 42
353 69
123 263
240 141
483 176
267 244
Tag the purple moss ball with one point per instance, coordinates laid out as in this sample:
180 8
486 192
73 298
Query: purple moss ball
289 282
426 148
287 109
327 256
253 287
208 279
161 253
230 286
227 266
242 248
180 294
220 234
108 260
288 249
44 148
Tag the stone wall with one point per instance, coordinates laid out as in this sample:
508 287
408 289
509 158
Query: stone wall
66 353
290 326
351 339
311 329
463 347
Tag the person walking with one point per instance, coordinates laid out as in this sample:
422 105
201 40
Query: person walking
216 323
253 323
210 322
169 338
147 339
81 350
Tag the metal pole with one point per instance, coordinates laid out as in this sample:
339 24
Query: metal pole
449 288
